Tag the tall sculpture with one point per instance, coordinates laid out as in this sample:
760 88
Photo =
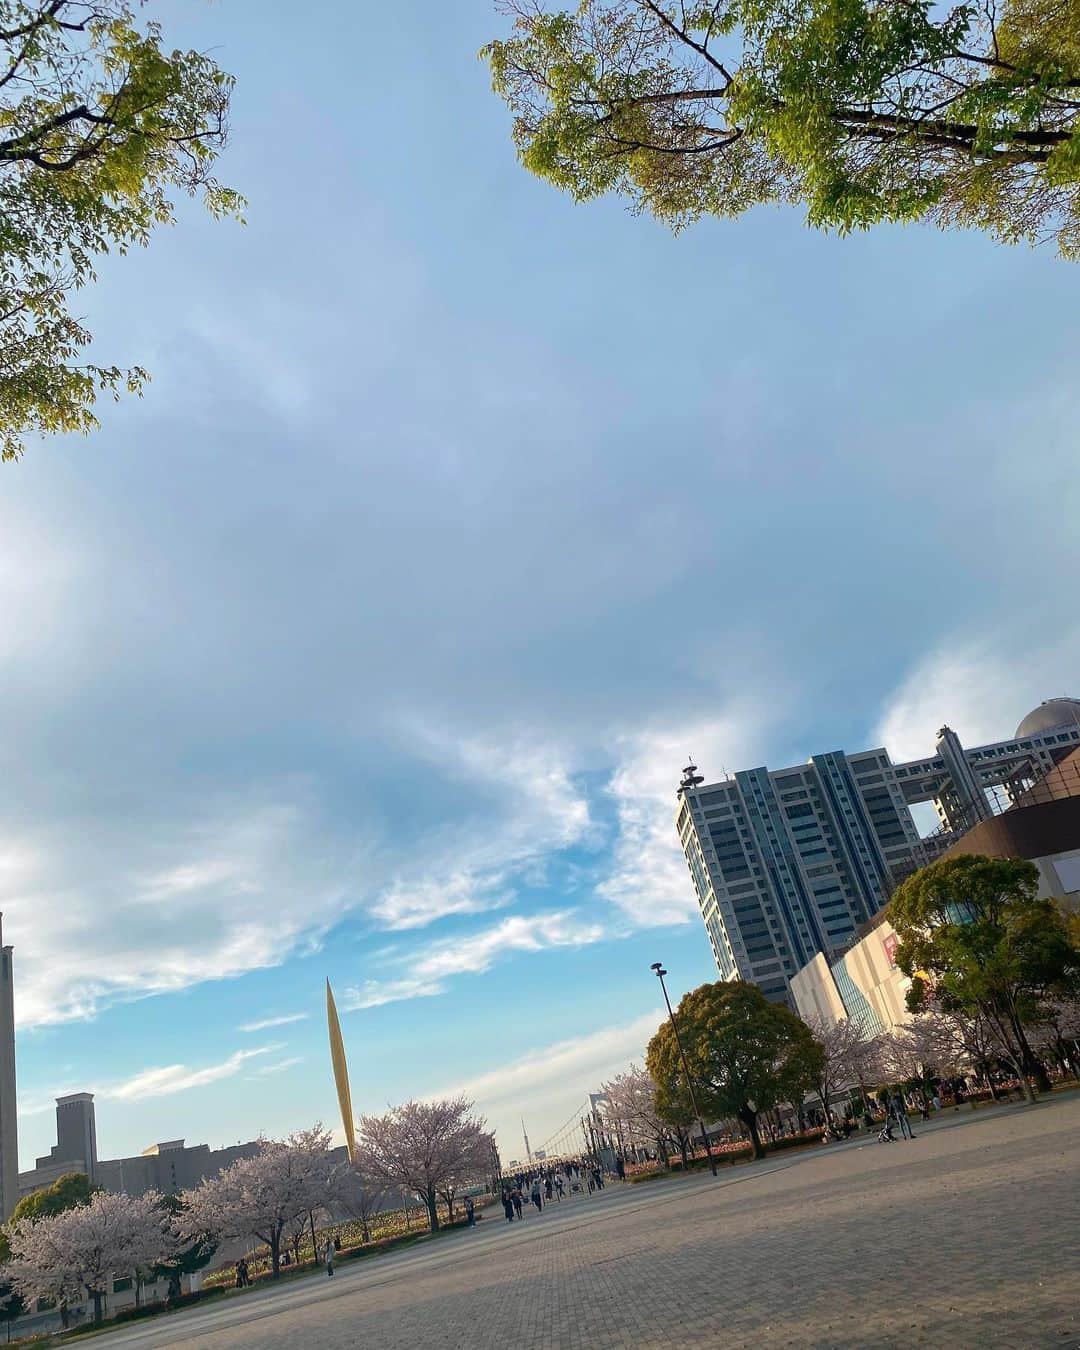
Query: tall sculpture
341 1072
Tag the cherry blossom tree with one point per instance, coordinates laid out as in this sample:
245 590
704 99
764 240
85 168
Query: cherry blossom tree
845 1059
287 1180
360 1197
1057 1030
426 1147
630 1111
110 1237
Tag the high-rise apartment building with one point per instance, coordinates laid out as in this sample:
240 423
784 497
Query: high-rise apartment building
9 1133
788 863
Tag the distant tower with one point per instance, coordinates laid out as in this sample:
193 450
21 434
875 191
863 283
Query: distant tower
76 1131
9 1134
528 1150
341 1073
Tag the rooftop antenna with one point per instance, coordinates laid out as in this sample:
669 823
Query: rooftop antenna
690 779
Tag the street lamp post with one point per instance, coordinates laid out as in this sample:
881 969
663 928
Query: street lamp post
657 966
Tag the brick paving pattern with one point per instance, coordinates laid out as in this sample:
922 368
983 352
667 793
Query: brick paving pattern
968 1236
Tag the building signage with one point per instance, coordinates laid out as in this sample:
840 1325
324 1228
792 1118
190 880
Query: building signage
890 943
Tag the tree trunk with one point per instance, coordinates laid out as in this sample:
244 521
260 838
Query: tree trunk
314 1244
433 1210
176 1289
95 1294
1030 1062
275 1253
750 1120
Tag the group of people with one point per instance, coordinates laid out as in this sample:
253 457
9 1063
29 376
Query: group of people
545 1184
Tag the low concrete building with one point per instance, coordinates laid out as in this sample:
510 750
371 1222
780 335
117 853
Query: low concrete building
167 1167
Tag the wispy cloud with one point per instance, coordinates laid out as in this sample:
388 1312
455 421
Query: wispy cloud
648 880
415 904
237 884
600 1052
268 1070
979 690
473 954
549 1083
533 809
173 1078
286 1019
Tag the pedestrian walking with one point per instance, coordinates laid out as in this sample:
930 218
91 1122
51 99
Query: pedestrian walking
900 1112
508 1206
331 1252
549 1187
620 1169
516 1198
470 1212
536 1197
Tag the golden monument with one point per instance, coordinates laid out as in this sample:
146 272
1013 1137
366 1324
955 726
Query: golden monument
341 1072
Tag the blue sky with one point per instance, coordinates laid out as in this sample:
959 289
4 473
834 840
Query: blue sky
371 642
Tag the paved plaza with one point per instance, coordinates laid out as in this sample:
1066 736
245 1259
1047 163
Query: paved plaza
968 1236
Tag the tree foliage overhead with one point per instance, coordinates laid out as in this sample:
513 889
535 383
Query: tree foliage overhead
99 125
746 1055
867 110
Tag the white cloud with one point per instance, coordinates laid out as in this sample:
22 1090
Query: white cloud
977 688
429 971
173 1078
286 1019
648 879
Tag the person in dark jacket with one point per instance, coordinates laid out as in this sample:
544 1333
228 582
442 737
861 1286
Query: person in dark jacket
508 1206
